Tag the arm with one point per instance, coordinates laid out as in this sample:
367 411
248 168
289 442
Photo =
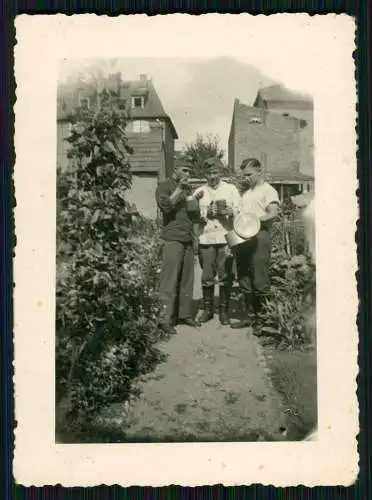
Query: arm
272 205
203 208
237 202
272 211
176 195
165 200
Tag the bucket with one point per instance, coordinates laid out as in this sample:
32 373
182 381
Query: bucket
246 226
233 239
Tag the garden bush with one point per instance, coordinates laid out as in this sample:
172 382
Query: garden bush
290 306
107 269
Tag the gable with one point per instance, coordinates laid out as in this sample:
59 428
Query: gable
68 99
279 93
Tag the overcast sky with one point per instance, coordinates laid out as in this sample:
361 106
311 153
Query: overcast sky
198 94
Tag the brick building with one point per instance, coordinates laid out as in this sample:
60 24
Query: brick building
278 98
150 133
282 139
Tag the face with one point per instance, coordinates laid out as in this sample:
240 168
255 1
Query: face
213 176
182 172
251 175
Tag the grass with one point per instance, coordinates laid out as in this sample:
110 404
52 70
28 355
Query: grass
294 376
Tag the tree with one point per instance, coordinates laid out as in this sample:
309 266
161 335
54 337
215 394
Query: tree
195 153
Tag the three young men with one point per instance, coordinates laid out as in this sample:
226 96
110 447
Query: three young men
219 204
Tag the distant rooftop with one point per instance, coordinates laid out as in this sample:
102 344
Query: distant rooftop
143 89
281 93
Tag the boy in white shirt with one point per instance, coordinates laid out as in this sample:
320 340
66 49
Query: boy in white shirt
253 257
219 203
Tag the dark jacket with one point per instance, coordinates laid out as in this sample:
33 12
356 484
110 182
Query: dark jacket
178 225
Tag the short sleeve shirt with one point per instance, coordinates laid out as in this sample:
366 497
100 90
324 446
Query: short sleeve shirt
256 200
213 232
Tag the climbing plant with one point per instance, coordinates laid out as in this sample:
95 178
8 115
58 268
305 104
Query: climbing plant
107 265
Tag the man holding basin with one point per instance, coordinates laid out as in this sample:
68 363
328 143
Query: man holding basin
260 204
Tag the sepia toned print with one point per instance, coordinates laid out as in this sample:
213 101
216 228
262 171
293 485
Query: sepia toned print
185 251
176 319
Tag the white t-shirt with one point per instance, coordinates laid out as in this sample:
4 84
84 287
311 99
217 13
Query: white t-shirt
213 232
256 200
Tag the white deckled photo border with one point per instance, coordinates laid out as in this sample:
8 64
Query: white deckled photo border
313 54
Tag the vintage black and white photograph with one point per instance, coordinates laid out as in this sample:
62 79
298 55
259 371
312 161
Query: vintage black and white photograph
185 292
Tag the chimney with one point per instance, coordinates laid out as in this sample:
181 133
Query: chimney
143 80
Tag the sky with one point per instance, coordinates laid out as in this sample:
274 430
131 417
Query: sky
197 94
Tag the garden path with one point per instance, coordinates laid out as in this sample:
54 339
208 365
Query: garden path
213 386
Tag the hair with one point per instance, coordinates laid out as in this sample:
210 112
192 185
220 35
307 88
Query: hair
251 162
212 162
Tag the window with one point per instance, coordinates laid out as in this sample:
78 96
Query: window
138 102
255 119
84 101
138 127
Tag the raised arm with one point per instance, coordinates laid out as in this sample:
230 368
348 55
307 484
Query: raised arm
203 208
165 199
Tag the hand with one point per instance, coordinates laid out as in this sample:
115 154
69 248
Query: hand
229 212
184 182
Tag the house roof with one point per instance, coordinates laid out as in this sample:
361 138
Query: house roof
153 107
281 93
252 112
288 175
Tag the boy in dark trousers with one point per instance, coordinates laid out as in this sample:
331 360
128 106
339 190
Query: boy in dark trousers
253 257
177 272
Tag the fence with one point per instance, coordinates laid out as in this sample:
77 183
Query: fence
289 235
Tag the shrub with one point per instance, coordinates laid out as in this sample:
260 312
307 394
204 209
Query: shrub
290 307
107 267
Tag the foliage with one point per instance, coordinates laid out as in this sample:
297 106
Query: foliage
108 263
290 307
289 234
197 152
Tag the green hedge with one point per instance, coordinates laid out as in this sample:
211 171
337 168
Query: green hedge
107 270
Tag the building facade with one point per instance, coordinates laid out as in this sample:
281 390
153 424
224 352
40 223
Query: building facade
290 104
150 133
282 141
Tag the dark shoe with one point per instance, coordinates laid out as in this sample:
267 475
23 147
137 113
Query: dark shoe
167 328
189 322
208 301
207 315
224 317
257 324
224 305
244 323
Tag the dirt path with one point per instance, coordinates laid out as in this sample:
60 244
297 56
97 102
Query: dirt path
213 386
